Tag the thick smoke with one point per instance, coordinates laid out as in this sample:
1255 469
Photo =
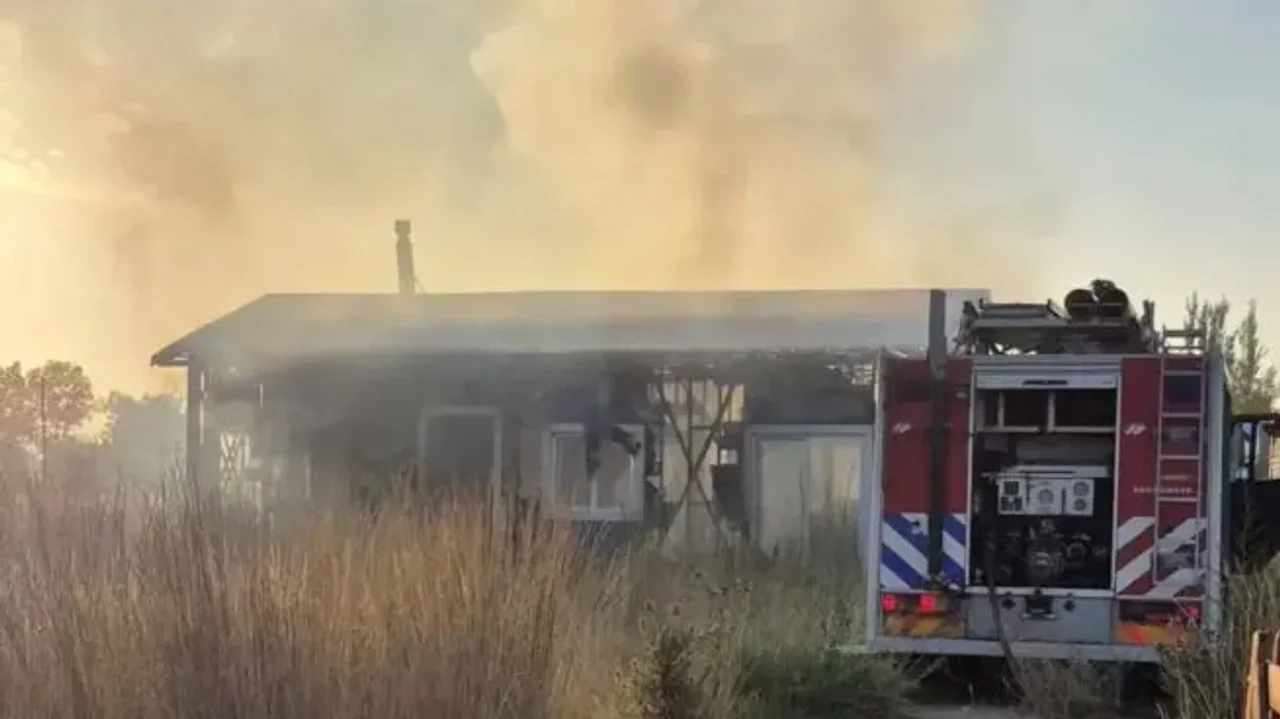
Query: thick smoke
721 143
225 149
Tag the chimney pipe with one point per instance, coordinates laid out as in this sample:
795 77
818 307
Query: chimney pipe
404 259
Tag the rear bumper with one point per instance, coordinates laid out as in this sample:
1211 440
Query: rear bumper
1021 650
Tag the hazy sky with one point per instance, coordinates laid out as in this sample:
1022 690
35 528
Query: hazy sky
1151 128
1138 138
1157 126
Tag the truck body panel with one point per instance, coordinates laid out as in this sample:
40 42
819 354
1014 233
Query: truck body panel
1136 472
903 537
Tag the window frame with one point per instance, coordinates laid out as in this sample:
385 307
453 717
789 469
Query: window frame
631 505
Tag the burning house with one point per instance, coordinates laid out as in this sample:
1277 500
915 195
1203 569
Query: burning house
593 407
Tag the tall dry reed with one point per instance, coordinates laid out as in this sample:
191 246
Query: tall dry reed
1206 679
198 612
177 606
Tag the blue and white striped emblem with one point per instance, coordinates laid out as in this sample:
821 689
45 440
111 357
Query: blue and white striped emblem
904 543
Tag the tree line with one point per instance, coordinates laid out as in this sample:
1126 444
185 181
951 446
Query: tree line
54 427
1251 376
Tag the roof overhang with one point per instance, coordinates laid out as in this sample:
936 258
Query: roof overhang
299 327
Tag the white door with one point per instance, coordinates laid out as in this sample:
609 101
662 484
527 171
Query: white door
835 474
805 483
781 497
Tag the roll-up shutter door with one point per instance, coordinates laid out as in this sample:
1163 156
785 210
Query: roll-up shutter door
1048 376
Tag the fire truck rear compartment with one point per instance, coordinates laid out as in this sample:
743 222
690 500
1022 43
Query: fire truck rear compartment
1043 514
1087 441
1043 489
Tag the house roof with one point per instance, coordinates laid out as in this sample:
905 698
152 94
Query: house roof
283 326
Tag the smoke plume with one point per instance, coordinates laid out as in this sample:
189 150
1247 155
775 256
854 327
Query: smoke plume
215 151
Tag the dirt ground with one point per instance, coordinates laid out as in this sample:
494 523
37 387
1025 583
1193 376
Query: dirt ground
966 713
971 712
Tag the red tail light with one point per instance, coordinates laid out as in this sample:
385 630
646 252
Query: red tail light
888 604
928 604
1191 612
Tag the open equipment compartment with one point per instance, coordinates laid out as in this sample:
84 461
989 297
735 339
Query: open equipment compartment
1044 485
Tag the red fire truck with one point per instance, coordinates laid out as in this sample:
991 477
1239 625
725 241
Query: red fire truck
1070 460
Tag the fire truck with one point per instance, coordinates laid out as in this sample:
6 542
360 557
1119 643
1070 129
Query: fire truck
1056 481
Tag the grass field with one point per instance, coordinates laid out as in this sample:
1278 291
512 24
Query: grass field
182 608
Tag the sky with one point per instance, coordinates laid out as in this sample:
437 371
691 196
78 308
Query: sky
1158 127
1055 143
1150 127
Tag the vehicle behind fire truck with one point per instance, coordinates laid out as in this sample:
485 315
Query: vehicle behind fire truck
1071 460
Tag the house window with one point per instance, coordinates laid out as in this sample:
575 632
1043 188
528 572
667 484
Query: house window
613 493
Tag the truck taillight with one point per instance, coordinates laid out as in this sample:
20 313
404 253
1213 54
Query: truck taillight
912 604
1192 612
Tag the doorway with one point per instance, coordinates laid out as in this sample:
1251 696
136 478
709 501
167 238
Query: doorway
459 452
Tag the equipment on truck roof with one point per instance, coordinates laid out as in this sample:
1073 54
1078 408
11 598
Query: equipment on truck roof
1099 319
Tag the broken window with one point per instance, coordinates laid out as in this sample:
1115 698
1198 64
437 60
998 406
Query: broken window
610 493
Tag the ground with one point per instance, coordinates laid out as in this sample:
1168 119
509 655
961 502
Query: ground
970 712
966 712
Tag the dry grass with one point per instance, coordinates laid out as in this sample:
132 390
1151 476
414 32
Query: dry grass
769 641
184 609
1051 689
198 614
1206 679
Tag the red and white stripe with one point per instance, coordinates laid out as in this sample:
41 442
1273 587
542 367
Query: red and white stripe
1136 552
1186 581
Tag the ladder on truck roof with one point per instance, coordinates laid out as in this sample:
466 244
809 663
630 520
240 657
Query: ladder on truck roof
1180 476
1183 341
